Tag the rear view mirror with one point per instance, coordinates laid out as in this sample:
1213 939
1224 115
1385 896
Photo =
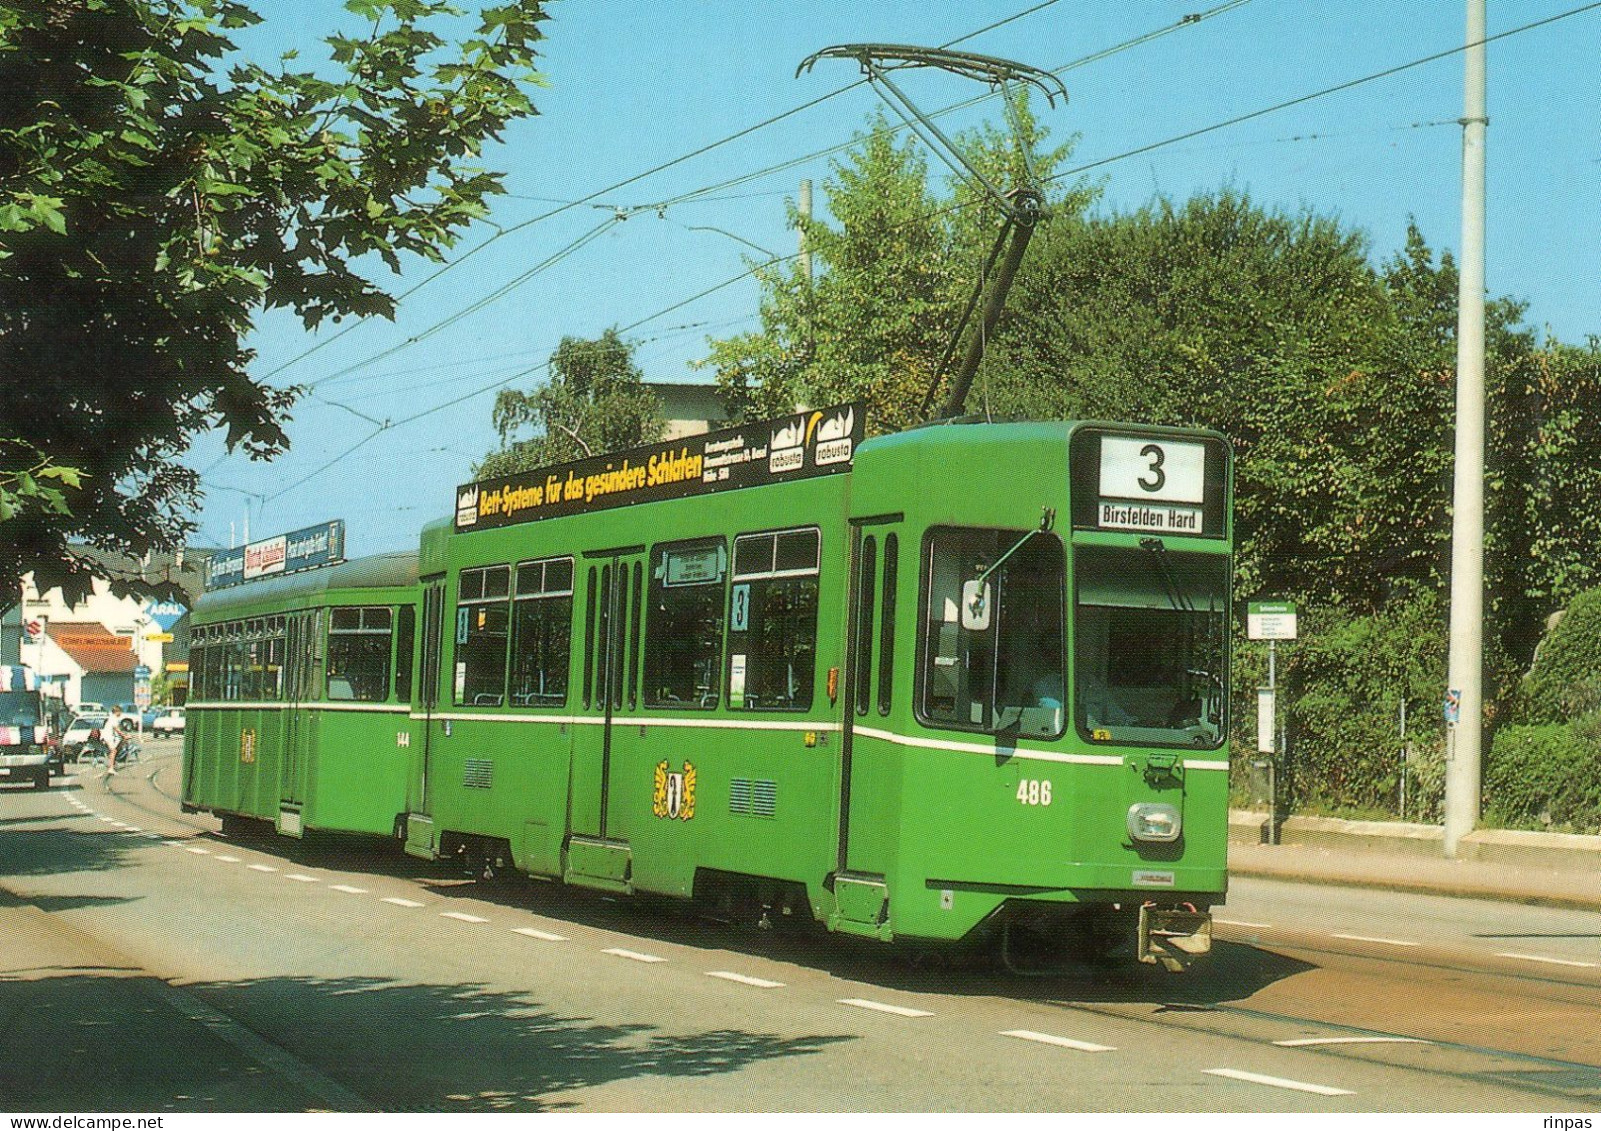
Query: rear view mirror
976 606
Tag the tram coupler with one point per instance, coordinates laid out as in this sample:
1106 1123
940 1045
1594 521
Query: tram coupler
1173 936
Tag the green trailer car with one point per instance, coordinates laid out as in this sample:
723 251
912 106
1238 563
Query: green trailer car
300 699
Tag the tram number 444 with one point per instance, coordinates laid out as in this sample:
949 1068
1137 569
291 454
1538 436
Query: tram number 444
1032 791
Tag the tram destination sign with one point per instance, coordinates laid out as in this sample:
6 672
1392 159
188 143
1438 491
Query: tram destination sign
799 446
306 548
1149 482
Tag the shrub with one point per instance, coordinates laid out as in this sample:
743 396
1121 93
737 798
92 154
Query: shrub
1545 776
1565 681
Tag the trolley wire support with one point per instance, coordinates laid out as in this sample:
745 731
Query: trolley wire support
1022 208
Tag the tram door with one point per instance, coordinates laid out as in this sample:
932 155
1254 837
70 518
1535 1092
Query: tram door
303 665
426 695
612 584
869 785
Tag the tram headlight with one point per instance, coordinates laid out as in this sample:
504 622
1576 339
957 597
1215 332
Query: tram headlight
1153 821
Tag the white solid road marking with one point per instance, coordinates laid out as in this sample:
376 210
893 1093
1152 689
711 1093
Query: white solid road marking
633 955
535 934
744 979
1543 958
897 1010
1277 1082
260 868
1241 923
1063 1042
398 902
347 888
1370 938
1305 1041
301 879
462 916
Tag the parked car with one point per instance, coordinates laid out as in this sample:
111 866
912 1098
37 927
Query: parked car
87 708
169 721
80 731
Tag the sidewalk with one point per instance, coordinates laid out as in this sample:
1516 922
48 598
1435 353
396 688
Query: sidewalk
1550 869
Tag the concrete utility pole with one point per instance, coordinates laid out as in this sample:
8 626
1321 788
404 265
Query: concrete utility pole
1464 737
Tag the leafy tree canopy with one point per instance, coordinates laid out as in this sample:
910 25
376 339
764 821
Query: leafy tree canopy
157 191
890 278
595 401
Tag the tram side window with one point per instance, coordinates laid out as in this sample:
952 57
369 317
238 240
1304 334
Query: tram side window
233 662
542 633
772 621
272 676
358 654
482 622
993 645
197 664
684 632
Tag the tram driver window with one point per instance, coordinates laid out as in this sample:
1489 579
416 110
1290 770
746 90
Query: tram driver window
358 654
993 640
684 631
482 622
772 621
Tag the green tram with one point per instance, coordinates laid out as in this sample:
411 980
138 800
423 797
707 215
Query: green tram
300 698
963 683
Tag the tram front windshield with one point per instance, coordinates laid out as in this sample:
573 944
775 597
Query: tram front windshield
1149 658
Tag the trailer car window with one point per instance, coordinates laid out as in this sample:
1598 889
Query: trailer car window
358 654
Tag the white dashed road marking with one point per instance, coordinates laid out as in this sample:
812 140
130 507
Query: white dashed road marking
462 916
199 851
633 955
301 879
897 1010
1370 938
228 859
1305 1041
260 868
535 934
398 902
1063 1042
1277 1082
744 979
348 889
1543 958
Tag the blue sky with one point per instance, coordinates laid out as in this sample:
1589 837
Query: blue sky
635 84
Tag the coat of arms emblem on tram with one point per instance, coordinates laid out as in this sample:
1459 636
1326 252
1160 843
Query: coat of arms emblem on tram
674 795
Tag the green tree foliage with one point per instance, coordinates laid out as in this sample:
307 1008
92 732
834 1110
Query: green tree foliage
1343 684
595 401
157 191
1560 511
1277 330
891 275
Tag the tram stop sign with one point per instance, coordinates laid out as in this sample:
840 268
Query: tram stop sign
1270 620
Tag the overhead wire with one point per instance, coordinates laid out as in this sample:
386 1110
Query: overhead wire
569 205
1098 163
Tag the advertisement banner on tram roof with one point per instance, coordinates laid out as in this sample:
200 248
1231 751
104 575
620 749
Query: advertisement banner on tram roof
307 548
798 446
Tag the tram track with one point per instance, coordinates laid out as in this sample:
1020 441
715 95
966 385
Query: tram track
1199 1005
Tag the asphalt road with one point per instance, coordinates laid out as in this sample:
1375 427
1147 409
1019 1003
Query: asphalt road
148 964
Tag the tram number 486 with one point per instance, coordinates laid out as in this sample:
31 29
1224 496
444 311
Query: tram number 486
1031 791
